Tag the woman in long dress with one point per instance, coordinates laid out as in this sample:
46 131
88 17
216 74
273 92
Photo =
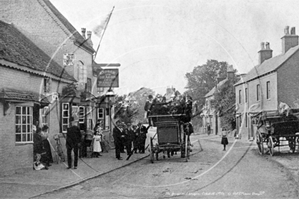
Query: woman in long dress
96 142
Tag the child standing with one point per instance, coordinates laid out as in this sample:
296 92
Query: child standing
224 140
96 142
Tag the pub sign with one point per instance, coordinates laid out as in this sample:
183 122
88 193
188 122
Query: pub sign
108 78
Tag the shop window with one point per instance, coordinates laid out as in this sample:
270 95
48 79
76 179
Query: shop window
65 117
23 124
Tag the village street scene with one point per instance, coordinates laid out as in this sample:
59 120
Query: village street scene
149 99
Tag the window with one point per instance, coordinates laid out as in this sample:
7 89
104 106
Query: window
257 92
246 120
44 113
240 96
65 117
100 113
81 114
268 89
47 85
246 95
82 72
88 86
23 124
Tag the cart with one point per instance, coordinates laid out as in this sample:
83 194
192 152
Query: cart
275 130
172 136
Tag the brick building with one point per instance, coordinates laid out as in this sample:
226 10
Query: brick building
272 81
25 76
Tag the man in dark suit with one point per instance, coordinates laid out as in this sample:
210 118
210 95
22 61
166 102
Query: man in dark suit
147 107
72 142
117 133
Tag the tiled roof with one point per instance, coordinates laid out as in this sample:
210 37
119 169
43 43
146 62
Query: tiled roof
18 49
213 90
78 37
29 96
269 65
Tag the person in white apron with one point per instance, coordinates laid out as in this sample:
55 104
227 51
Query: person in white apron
96 142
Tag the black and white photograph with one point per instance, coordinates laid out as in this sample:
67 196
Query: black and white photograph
149 99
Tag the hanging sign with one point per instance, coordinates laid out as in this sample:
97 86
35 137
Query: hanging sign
108 78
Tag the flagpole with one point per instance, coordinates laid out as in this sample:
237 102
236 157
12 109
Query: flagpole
104 32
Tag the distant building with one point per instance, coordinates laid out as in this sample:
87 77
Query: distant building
209 115
273 80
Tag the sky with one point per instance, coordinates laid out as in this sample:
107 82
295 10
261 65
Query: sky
158 41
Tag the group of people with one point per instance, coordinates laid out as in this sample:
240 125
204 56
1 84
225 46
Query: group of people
41 148
178 104
129 137
76 141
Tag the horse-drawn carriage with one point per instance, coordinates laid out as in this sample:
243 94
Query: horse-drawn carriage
172 136
276 130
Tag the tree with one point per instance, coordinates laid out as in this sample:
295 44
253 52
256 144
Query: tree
124 110
140 97
203 78
225 104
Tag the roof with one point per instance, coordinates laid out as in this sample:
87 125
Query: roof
268 66
21 95
78 37
213 90
18 49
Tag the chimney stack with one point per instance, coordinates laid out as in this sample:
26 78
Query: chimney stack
89 38
289 40
230 73
265 52
83 32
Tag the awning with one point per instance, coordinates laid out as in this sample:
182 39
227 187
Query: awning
14 95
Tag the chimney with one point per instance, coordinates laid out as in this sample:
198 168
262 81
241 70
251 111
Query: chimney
289 40
265 52
89 38
230 73
83 32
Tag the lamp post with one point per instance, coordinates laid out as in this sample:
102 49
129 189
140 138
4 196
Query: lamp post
109 96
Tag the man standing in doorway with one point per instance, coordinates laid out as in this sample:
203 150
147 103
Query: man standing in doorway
72 142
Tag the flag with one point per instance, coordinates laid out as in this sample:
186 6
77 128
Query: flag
98 30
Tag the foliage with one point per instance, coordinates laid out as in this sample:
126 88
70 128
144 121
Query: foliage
139 98
203 78
124 111
225 104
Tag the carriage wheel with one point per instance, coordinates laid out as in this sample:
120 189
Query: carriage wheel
151 150
271 145
260 143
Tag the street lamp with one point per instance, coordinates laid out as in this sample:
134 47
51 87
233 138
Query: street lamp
109 96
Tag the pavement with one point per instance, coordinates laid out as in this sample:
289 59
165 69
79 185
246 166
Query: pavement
32 183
